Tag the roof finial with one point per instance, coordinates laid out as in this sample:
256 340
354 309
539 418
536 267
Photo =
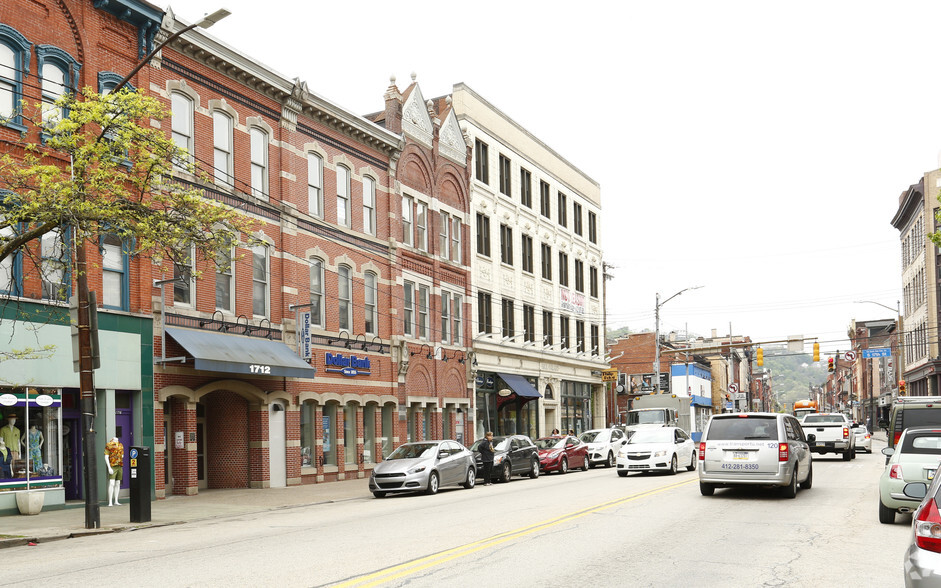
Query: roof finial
414 76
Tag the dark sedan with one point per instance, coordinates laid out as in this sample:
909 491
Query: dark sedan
561 453
512 455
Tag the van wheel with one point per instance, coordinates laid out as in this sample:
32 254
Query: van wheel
806 484
706 489
790 491
886 514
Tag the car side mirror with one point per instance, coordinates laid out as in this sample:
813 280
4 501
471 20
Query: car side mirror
888 451
811 437
915 490
443 454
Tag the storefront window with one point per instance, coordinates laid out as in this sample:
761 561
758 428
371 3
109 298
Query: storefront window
349 433
330 434
388 416
369 433
576 406
29 430
308 410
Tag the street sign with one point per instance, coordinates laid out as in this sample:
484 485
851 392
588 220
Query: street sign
733 388
609 376
850 356
739 396
877 352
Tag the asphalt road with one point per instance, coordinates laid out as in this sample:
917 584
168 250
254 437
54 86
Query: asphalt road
581 529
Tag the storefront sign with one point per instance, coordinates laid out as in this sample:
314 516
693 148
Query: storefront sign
7 399
303 335
570 301
348 366
505 392
44 400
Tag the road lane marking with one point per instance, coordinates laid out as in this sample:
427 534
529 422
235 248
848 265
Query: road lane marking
423 563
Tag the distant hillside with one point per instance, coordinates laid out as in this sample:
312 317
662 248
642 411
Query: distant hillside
792 375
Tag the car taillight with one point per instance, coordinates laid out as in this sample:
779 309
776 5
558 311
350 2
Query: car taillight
782 452
896 439
895 472
702 450
846 433
928 527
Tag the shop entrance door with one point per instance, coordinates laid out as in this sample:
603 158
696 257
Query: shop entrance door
276 446
124 431
72 458
201 478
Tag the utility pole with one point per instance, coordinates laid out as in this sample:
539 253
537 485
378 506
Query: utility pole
86 379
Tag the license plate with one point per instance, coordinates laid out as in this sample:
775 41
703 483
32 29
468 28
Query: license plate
739 455
930 474
820 444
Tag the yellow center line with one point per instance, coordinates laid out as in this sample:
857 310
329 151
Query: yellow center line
412 567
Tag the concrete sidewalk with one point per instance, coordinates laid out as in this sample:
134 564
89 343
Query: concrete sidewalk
19 530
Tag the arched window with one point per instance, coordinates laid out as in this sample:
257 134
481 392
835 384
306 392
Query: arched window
222 161
343 196
315 185
59 73
369 205
14 67
11 267
345 297
54 247
372 315
259 140
181 125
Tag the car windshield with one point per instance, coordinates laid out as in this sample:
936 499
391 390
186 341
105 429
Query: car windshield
823 418
593 436
741 428
414 450
550 443
652 436
646 417
861 430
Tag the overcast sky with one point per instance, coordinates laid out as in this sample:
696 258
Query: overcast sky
755 149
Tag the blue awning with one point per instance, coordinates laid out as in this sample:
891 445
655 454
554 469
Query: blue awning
701 400
520 386
218 352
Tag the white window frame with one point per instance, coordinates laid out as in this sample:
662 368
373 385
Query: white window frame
445 317
265 282
421 226
222 161
457 334
314 185
343 196
345 302
444 235
408 314
114 269
317 290
226 275
456 239
370 295
424 294
407 220
369 205
191 283
259 159
181 124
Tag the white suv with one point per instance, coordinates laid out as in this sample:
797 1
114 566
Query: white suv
755 448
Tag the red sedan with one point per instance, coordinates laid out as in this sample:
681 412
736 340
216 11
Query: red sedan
560 453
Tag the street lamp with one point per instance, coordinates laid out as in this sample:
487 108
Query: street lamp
657 334
85 361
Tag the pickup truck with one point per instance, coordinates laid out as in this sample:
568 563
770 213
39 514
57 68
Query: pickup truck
832 433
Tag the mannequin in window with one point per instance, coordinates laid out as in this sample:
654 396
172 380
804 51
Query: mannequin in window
11 435
114 459
6 460
34 449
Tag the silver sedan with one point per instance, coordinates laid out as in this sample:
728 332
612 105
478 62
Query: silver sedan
863 438
424 466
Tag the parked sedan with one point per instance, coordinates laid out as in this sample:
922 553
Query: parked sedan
603 445
664 448
424 466
914 458
863 439
922 559
512 455
561 452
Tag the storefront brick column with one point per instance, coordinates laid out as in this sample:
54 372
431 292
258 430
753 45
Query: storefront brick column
160 447
258 454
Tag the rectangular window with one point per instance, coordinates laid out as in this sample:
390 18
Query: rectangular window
564 332
259 163
544 208
546 327
184 285
526 252
546 261
481 161
369 205
329 434
595 340
483 234
484 313
421 226
580 336
457 332
181 126
225 282
444 236
314 185
506 244
11 81
407 207
563 210
505 186
349 433
343 196
316 292
577 217
9 277
526 188
593 281
423 312
529 323
508 318
371 312
114 273
563 269
445 317
54 86
408 318
592 228
260 280
579 275
455 239
345 297
222 148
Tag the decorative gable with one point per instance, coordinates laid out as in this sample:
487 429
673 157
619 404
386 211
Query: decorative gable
416 122
451 140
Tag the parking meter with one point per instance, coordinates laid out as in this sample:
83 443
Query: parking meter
140 484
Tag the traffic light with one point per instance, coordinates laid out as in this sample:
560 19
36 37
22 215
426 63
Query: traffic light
830 367
816 351
760 357
901 387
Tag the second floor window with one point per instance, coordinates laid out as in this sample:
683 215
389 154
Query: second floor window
181 125
529 323
593 281
483 234
260 281
445 317
225 281
484 313
526 253
372 315
316 292
580 336
259 139
114 273
508 318
506 244
54 251
343 196
184 285
563 269
423 312
222 148
595 340
315 185
546 327
408 316
369 205
564 332
345 297
546 261
579 275
9 267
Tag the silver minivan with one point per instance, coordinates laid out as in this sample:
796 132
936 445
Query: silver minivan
755 449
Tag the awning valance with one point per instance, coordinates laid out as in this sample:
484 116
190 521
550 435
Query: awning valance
217 352
520 386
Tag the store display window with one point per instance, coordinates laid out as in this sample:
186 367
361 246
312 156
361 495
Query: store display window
29 438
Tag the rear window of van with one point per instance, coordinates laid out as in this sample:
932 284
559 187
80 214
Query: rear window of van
743 428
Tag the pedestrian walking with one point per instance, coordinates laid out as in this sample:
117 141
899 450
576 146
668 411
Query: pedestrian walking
486 456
